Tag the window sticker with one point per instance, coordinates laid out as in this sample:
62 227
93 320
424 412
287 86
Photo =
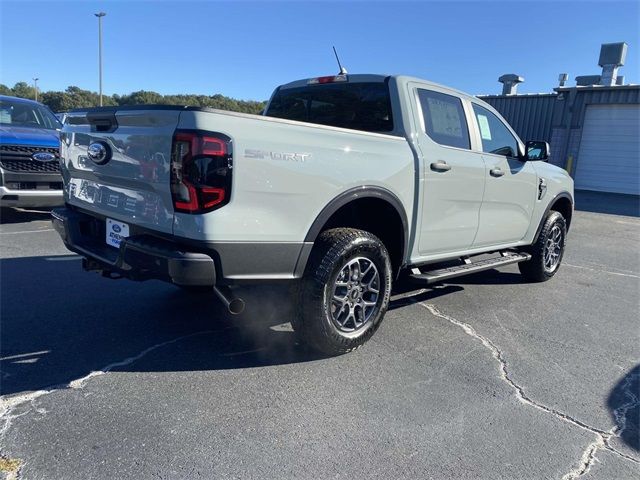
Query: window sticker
445 118
5 115
485 131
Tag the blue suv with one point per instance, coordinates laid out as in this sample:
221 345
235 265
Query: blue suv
29 154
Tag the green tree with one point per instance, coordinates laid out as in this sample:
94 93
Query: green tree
141 97
75 97
24 90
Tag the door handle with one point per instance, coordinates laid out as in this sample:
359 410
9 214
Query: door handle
496 172
440 166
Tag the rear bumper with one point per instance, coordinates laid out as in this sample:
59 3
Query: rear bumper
140 257
30 198
148 255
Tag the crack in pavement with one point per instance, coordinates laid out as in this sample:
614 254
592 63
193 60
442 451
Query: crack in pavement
604 441
9 403
603 438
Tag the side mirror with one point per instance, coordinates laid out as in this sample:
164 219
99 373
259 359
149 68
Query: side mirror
535 150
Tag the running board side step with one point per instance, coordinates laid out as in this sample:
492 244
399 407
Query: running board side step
433 276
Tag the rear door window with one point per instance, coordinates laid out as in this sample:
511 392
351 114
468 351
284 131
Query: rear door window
496 137
360 106
444 119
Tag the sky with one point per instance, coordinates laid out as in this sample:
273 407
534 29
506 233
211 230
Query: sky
244 49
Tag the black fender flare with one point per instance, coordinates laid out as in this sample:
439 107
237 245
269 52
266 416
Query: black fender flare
348 196
553 201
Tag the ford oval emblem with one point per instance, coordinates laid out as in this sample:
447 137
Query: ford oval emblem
99 152
43 157
116 228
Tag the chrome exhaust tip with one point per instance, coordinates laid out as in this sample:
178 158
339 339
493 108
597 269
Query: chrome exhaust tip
234 304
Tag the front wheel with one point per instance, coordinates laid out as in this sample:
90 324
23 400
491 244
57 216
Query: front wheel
547 252
345 292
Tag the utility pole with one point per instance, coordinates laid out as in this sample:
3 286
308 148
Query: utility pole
100 15
35 86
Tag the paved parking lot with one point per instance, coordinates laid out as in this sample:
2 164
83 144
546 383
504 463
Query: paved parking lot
483 377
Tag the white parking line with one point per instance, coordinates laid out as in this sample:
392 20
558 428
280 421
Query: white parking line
602 271
23 355
28 231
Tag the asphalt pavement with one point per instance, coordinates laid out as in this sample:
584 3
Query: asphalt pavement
481 377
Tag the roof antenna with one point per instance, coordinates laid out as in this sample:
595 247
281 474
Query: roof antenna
343 71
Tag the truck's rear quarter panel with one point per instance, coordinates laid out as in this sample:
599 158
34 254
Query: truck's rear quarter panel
278 193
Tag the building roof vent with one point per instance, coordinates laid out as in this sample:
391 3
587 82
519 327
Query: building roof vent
620 80
562 78
588 80
612 56
510 83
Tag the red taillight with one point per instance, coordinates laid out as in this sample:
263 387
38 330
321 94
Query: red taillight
200 171
212 196
213 146
186 203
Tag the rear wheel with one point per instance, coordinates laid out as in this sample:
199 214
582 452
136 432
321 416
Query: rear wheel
345 292
547 252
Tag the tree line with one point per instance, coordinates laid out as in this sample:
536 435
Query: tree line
75 97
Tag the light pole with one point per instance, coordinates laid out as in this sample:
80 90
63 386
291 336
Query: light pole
100 15
35 86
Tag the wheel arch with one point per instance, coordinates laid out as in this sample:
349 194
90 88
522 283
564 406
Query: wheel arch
356 207
563 203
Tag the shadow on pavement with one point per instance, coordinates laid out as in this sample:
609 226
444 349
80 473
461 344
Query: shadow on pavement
406 292
490 277
59 323
13 215
624 406
611 203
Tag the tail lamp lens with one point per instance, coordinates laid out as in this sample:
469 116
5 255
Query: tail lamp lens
201 164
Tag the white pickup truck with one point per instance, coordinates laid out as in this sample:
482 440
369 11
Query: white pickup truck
344 183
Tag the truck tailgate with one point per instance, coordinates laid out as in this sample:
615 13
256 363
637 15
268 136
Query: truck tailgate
132 183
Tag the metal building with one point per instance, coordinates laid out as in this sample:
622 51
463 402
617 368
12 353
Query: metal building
530 114
593 127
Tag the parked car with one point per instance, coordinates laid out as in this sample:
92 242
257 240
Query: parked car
61 116
344 184
29 154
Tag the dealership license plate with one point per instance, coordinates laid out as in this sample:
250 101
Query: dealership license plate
116 231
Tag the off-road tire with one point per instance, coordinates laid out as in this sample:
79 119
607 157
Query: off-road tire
534 270
313 321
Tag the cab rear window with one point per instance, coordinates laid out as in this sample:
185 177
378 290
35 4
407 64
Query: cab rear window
358 106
